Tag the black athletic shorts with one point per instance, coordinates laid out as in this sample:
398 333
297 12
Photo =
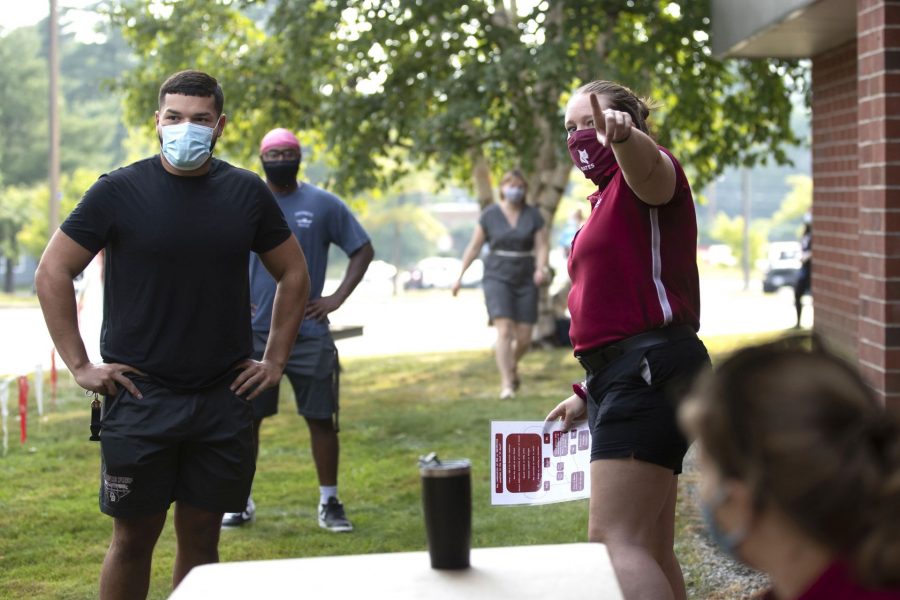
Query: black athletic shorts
632 403
193 447
313 370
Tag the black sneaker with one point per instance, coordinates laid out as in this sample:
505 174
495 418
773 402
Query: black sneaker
332 517
240 518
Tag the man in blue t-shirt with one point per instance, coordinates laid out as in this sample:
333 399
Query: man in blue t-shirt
318 219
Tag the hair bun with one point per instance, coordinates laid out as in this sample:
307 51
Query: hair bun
645 110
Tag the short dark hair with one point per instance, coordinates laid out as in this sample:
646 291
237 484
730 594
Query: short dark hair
193 83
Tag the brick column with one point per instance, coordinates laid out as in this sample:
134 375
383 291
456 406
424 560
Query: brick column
835 286
878 42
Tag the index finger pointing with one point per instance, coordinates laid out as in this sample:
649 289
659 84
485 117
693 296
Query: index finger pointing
597 112
599 119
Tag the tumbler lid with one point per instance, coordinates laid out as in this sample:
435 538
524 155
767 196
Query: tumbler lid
431 466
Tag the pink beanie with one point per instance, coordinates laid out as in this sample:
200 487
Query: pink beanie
278 138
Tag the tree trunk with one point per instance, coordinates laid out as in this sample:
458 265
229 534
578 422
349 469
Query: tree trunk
481 179
546 185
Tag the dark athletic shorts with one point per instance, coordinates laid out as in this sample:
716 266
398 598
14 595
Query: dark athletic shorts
632 403
313 370
193 447
509 301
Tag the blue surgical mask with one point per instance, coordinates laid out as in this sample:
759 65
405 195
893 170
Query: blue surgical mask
728 542
514 194
187 145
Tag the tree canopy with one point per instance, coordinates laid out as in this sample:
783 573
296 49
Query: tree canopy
461 86
90 119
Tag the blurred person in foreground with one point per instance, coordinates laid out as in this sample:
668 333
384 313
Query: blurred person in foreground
514 269
177 425
800 470
635 308
317 219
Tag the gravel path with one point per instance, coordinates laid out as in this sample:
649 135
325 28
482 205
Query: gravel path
722 577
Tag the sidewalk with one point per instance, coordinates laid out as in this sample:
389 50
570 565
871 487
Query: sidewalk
430 321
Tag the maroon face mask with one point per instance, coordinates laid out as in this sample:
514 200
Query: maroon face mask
595 160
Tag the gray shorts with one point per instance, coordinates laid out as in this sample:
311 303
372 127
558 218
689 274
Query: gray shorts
313 370
510 301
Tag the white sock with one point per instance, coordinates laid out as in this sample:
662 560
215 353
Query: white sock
326 492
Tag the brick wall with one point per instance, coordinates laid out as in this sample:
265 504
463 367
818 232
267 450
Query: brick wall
878 40
835 280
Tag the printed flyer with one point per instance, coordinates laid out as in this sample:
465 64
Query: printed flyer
535 462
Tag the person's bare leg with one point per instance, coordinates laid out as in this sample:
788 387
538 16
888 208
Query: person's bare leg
504 351
325 449
523 339
126 568
521 346
665 543
628 497
197 532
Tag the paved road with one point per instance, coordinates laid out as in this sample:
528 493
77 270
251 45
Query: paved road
432 320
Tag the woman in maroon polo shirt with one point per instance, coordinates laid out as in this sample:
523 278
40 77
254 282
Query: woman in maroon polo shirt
800 471
635 306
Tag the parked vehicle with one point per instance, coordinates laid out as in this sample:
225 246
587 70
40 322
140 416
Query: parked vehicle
441 272
782 266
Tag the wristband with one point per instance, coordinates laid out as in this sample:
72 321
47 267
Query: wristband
580 390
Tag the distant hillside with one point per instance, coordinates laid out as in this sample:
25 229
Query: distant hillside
768 184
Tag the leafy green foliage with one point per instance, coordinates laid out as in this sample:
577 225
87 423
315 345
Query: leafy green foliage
23 108
403 233
399 83
91 129
34 235
730 231
785 223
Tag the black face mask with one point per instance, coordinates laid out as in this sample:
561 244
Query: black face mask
282 173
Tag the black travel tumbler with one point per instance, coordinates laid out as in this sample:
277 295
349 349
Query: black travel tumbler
447 504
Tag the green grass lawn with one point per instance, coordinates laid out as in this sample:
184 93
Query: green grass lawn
394 409
22 299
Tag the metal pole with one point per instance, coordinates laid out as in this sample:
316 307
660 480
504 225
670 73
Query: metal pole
53 216
745 209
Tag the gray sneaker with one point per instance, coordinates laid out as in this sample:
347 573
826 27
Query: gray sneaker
240 518
332 517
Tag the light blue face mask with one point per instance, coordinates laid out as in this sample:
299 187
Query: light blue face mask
728 542
514 194
187 145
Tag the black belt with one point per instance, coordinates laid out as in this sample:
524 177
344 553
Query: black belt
596 359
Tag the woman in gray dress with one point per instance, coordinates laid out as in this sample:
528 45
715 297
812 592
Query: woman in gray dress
514 269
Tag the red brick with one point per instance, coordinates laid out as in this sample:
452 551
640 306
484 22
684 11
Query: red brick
874 63
873 84
886 246
888 357
883 288
871 333
876 220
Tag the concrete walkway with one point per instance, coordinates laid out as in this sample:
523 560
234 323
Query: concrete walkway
424 321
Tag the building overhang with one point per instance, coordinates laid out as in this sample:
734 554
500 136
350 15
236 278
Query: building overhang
780 28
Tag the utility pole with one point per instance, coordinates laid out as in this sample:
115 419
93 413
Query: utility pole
745 206
53 216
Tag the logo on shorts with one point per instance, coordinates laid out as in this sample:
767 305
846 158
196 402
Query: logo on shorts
115 488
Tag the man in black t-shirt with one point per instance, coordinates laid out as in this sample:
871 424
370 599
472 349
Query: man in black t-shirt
176 341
